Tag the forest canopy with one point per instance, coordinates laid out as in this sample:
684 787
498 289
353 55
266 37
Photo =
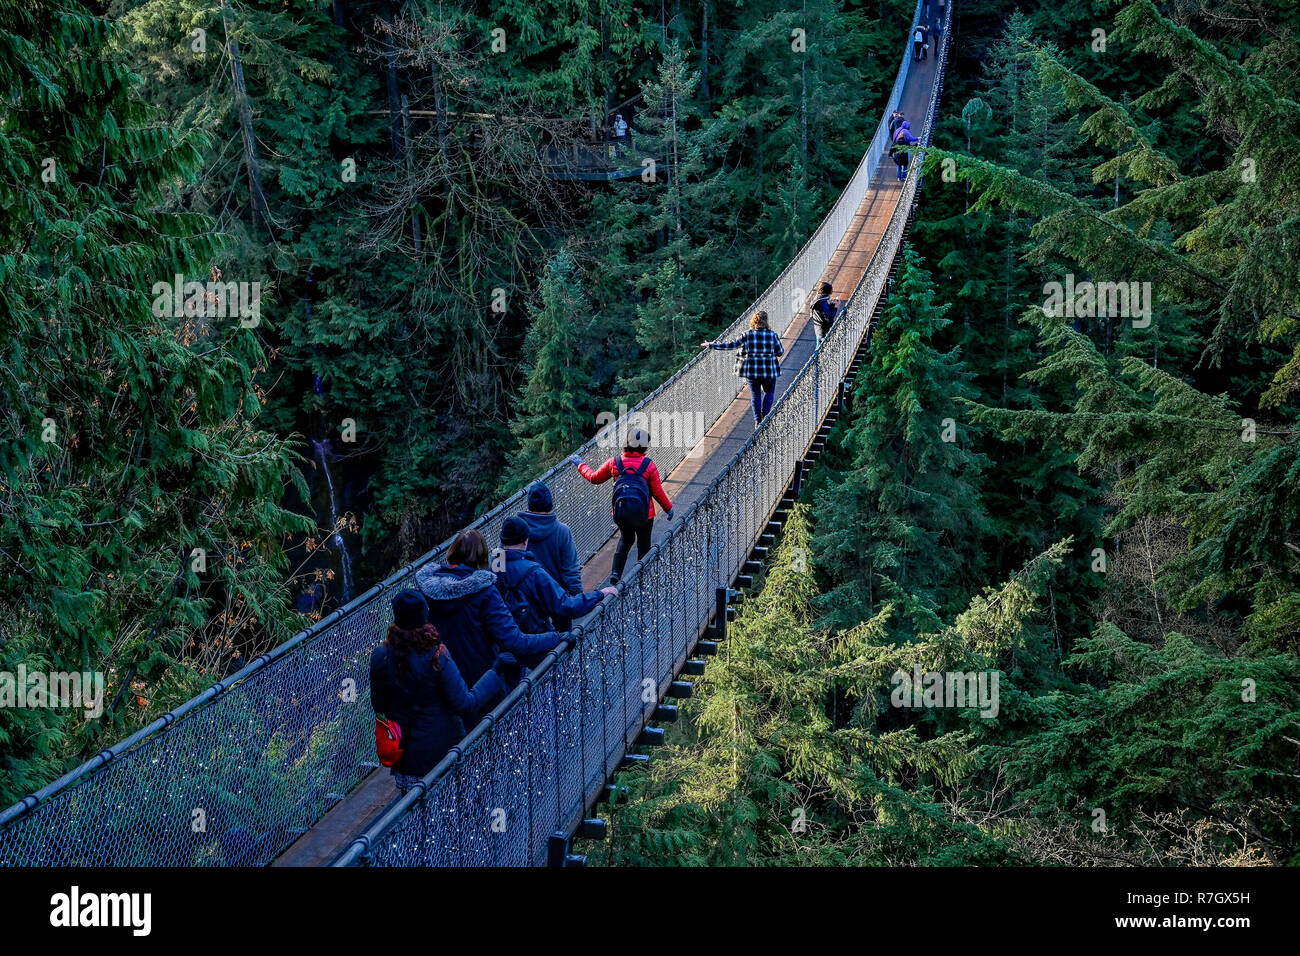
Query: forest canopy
292 290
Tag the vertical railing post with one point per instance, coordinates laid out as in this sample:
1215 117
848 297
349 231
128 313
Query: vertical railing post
557 848
577 654
720 612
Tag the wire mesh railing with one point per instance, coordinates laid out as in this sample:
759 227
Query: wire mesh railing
235 775
566 727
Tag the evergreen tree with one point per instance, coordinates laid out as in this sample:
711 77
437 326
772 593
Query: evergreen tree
551 407
902 523
795 756
143 528
1168 236
673 277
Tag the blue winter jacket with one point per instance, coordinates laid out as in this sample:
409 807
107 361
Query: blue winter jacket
473 621
541 592
551 542
431 706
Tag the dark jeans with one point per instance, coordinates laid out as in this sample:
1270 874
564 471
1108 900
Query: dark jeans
404 781
641 536
762 391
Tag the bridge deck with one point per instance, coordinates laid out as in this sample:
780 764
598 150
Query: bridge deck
332 833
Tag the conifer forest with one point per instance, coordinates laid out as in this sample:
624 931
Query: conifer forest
293 292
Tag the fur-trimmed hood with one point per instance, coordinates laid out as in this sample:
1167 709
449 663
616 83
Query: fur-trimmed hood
441 583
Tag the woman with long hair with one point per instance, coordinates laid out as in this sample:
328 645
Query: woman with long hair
760 362
415 683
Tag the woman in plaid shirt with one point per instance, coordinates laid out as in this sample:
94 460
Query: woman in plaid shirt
760 362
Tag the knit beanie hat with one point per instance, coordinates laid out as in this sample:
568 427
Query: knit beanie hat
410 610
539 498
514 531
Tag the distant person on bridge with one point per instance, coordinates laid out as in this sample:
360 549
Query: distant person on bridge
895 120
902 139
620 133
636 489
759 364
414 682
918 44
823 312
467 608
550 540
534 597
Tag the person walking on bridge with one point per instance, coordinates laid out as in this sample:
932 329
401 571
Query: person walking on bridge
759 364
551 541
636 489
414 683
895 120
918 45
467 609
898 151
823 312
534 597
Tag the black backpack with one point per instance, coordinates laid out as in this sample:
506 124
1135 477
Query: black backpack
530 621
825 308
631 494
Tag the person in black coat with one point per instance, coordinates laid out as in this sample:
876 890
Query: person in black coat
470 614
895 120
415 683
824 312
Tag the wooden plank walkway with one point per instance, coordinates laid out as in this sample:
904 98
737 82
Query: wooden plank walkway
688 481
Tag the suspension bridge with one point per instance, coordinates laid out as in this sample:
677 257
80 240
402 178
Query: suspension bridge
275 765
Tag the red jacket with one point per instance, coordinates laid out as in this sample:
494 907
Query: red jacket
631 459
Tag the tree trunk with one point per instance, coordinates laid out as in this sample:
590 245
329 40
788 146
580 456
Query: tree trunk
803 106
704 54
676 173
416 235
394 94
803 121
257 196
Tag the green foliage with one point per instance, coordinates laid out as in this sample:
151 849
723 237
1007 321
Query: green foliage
1147 672
135 437
1174 725
901 524
549 416
1135 488
796 759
